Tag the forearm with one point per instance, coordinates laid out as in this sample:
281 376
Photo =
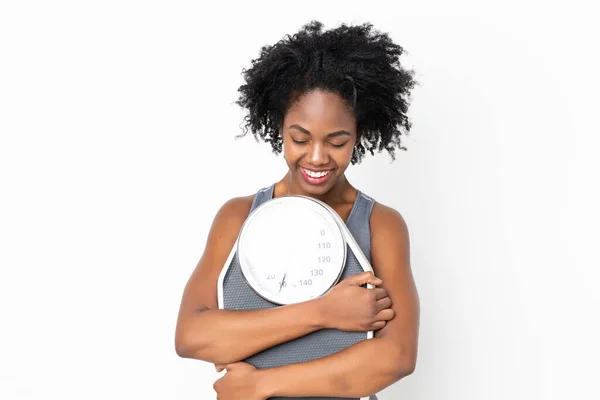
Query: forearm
226 336
358 371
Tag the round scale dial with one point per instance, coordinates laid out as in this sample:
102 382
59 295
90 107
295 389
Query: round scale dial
291 249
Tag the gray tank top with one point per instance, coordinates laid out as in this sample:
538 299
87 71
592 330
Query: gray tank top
238 295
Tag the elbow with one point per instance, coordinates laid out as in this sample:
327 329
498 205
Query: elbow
400 369
182 351
195 347
403 365
182 345
186 348
407 367
188 345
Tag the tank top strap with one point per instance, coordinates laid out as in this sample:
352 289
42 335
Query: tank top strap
359 222
263 195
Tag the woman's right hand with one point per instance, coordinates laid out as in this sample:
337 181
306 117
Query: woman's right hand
350 307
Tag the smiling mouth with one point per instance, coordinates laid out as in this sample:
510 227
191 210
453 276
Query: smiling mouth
315 177
315 174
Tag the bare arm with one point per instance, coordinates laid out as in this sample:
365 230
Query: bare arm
207 333
372 365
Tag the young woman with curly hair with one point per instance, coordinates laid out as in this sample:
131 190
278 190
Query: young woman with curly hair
324 99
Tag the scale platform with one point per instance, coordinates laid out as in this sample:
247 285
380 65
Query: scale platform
236 293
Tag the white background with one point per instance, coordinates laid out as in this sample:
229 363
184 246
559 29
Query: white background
117 147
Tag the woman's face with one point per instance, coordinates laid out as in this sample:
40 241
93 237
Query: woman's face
319 133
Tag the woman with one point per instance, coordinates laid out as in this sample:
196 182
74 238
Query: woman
323 98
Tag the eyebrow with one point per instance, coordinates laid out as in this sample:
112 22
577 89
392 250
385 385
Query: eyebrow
332 134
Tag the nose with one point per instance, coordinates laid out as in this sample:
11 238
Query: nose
317 154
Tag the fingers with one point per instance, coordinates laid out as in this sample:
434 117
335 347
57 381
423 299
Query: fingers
383 303
222 367
372 280
364 278
375 326
382 318
385 315
380 293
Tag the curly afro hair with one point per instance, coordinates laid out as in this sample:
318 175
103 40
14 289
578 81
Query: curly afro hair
356 62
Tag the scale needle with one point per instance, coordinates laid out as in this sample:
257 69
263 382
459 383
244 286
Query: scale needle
282 282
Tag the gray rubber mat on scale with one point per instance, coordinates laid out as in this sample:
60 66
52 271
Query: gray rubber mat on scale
238 295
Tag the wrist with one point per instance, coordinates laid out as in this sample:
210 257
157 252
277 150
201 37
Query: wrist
265 386
318 313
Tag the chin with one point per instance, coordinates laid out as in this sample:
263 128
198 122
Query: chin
315 190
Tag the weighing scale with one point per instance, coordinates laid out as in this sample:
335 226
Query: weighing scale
292 249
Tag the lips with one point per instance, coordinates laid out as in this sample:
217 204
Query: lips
315 177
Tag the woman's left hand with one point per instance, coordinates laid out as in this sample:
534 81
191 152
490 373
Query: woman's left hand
239 382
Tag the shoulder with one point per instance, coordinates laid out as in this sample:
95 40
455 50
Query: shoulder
385 219
389 231
231 216
236 207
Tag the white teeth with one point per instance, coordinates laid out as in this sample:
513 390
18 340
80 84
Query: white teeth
315 174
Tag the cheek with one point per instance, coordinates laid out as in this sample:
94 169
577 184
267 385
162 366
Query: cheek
343 159
348 155
289 154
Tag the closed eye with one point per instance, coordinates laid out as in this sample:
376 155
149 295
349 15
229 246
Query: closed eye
306 141
298 141
339 145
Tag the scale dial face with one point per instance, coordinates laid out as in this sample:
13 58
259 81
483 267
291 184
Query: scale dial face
291 249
